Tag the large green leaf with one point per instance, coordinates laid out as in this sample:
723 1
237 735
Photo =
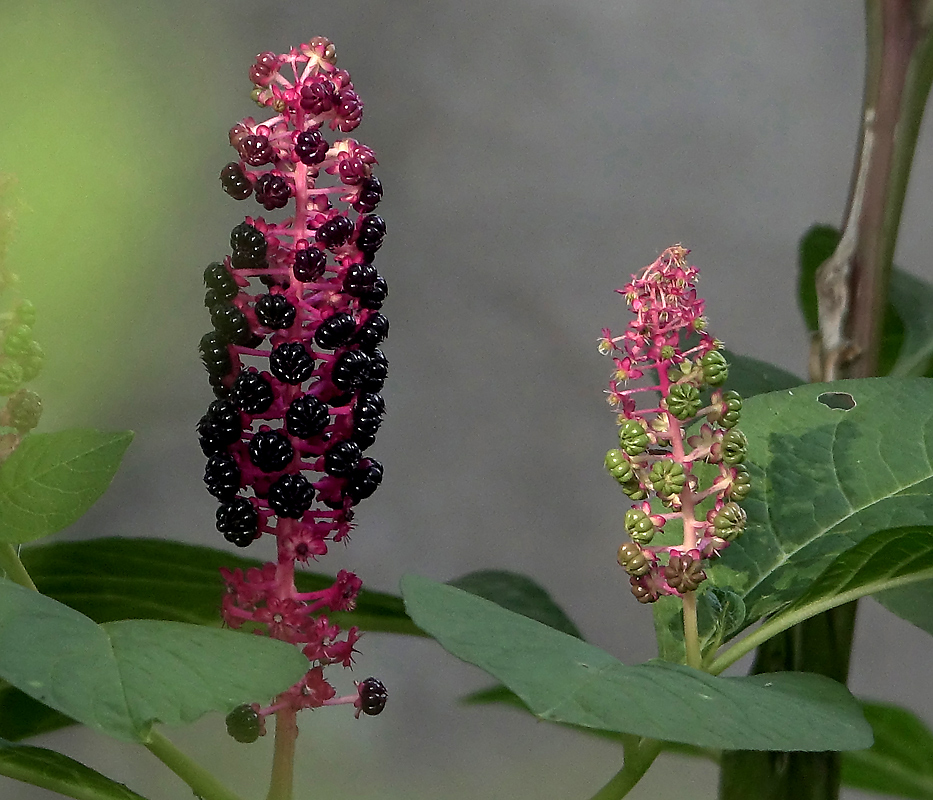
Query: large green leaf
58 773
120 677
51 479
563 679
749 376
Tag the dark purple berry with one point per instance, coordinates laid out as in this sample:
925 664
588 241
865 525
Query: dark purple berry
291 363
219 427
274 311
239 516
349 110
367 418
373 332
369 196
256 150
271 451
291 495
359 279
234 182
222 476
349 370
352 170
318 97
311 147
249 247
244 724
266 65
272 191
218 279
375 296
335 232
372 232
309 264
364 480
341 458
335 331
306 417
215 355
376 372
232 324
373 696
252 393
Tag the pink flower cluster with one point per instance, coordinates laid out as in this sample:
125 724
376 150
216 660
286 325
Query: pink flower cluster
667 342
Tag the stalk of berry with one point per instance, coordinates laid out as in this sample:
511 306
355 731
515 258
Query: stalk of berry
679 369
295 362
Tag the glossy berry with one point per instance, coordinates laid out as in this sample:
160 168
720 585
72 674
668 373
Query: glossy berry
222 476
256 150
349 110
311 147
376 372
215 355
372 232
291 363
272 191
274 311
232 325
350 370
238 517
249 247
367 418
218 279
335 232
252 392
369 196
271 451
291 495
373 696
265 67
219 427
359 279
364 480
373 332
335 331
234 182
244 724
318 97
306 417
309 264
341 458
375 296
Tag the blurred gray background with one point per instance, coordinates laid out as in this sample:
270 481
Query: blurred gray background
534 155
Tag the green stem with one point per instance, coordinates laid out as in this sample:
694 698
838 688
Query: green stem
202 782
10 564
691 634
639 755
283 760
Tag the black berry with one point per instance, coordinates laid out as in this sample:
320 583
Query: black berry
222 476
367 418
364 480
341 458
218 278
249 247
219 427
371 233
256 150
291 363
335 331
252 392
349 370
291 495
375 296
311 147
238 517
335 232
272 191
376 372
306 417
215 355
274 311
359 279
373 696
373 332
270 450
232 324
309 264
369 196
234 182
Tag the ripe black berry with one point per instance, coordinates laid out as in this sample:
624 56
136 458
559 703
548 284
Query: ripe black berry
373 332
309 264
244 724
291 363
291 495
238 517
271 451
274 311
218 278
341 458
311 147
372 232
234 182
367 417
359 279
375 296
222 476
373 696
306 417
369 196
272 191
249 247
364 480
256 150
349 370
215 355
252 392
232 324
335 232
377 371
219 427
335 331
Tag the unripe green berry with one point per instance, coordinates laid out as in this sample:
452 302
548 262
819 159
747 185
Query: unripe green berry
632 558
734 447
18 340
683 401
729 522
639 526
25 313
11 377
618 466
715 368
733 409
667 352
633 438
244 724
667 478
741 484
634 490
23 410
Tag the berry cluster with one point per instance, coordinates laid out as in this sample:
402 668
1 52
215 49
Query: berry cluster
21 360
294 357
655 456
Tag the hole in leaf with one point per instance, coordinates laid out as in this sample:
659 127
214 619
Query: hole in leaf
841 400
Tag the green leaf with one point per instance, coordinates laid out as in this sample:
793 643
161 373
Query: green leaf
913 300
22 717
121 677
58 773
520 594
563 679
748 376
51 479
913 603
900 762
